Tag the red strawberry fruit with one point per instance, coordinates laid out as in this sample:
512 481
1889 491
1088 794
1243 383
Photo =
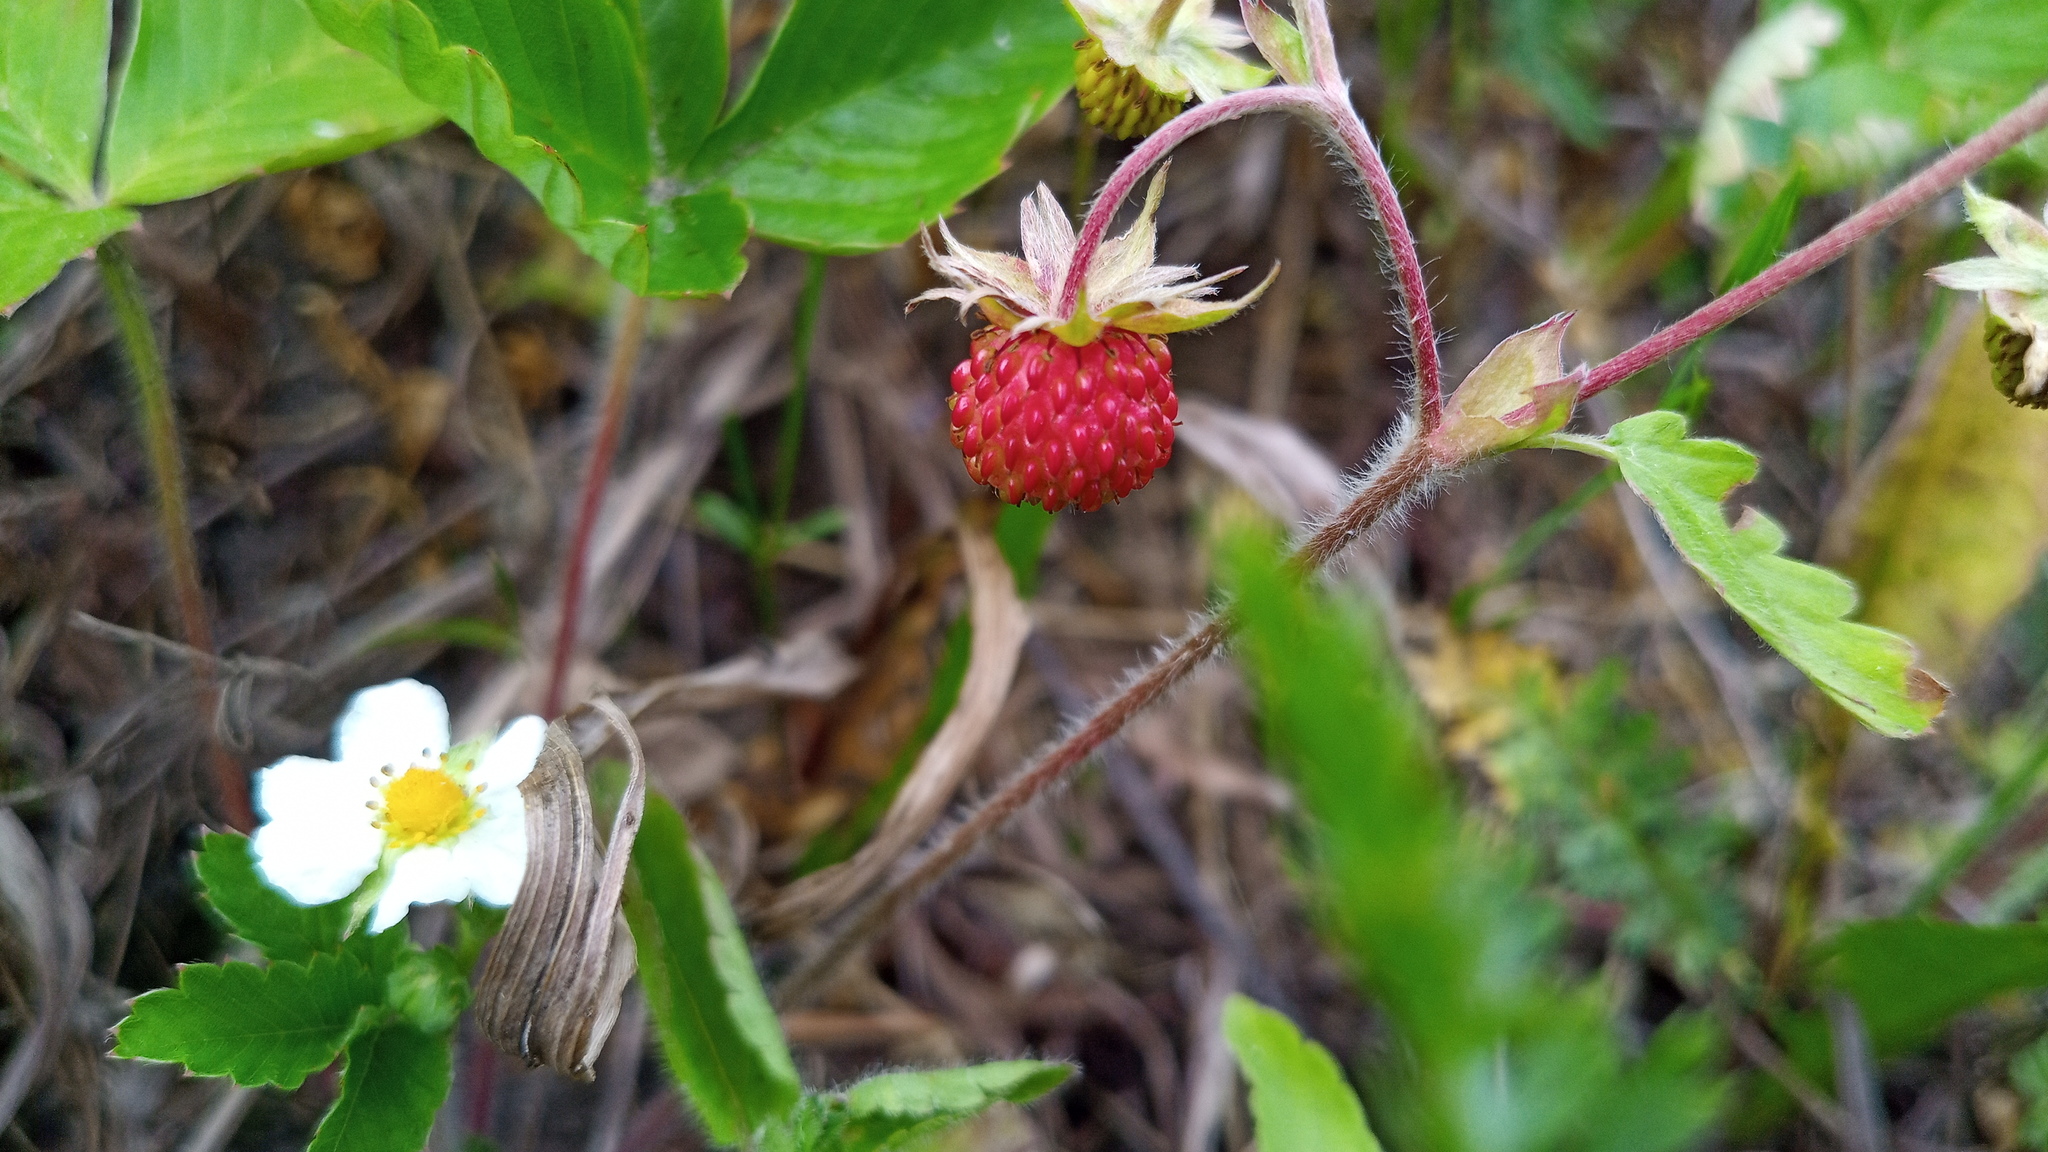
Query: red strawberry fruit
1075 407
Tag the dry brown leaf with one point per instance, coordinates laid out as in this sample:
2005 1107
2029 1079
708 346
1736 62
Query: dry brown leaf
1948 522
550 988
1001 624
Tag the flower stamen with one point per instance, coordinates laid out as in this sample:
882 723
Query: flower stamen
426 806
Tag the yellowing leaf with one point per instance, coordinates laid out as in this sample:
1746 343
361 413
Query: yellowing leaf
1798 608
1949 534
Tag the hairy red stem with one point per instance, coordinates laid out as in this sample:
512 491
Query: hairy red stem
1896 205
1330 108
1408 471
626 342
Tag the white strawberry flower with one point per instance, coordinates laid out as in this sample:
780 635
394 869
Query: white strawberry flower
433 823
2014 281
1192 54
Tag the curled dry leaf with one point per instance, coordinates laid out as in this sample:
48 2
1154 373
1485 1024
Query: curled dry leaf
1001 625
550 988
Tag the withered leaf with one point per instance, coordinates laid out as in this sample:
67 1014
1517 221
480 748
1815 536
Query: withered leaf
551 982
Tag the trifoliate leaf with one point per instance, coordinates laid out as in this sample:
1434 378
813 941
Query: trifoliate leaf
274 1025
1798 608
1299 1098
393 1083
283 928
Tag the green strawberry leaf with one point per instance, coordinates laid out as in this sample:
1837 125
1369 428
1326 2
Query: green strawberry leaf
274 1025
686 73
716 1027
870 118
219 90
1909 976
896 1108
1798 608
566 114
53 91
39 234
283 928
1298 1096
392 1084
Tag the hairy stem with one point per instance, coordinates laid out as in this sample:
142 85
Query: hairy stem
1407 472
627 338
1331 111
2015 126
159 417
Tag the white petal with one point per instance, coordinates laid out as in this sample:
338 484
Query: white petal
315 861
511 756
492 856
303 788
421 876
395 724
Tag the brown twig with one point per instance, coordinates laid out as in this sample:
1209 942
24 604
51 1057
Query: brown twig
625 357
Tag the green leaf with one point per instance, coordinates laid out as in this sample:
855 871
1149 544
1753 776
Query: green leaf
39 235
686 73
720 1035
393 1083
1021 530
1298 1095
283 928
219 90
550 91
817 526
272 1025
459 631
721 516
870 118
1909 975
893 1109
53 90
1798 608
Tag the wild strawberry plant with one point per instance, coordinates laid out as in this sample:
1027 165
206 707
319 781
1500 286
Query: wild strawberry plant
863 122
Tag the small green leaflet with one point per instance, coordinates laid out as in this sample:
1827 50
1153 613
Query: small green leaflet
900 1109
274 1025
1910 975
1798 608
39 234
716 1027
260 914
1300 1102
896 1108
211 92
391 1086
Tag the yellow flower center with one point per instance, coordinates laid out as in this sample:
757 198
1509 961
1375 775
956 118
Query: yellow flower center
426 806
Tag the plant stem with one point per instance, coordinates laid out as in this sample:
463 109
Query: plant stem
1331 111
768 543
627 337
793 406
159 417
2015 126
